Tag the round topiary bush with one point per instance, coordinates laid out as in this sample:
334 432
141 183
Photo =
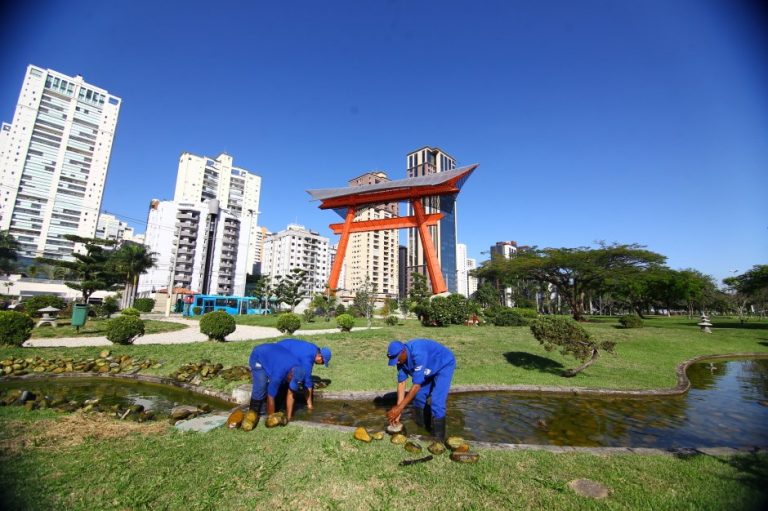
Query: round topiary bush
124 329
631 321
15 327
391 320
345 322
508 317
130 311
288 322
144 304
217 325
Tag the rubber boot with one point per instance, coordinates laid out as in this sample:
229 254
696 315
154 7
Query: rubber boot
255 405
438 429
418 416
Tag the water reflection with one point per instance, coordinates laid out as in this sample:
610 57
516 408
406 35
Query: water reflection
721 409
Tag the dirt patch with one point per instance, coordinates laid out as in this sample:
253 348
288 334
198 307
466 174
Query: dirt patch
70 430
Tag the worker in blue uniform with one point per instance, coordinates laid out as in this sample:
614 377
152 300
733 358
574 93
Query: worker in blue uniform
271 366
309 355
430 366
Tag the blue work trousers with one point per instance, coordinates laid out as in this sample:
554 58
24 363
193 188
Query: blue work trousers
436 386
260 382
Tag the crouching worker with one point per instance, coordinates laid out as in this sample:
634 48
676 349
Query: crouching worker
271 366
430 366
309 355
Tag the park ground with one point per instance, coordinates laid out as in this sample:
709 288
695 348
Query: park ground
90 462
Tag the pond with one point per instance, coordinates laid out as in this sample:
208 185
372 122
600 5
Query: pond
725 407
159 399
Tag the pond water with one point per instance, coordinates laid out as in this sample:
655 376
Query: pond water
725 407
160 399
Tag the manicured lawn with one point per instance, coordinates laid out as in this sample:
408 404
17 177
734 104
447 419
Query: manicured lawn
645 358
319 323
46 463
98 327
73 462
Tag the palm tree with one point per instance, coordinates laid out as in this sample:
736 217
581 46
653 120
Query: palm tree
8 249
131 261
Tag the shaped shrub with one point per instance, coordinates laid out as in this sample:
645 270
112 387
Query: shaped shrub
345 322
288 322
15 327
144 304
124 329
631 321
130 311
391 320
508 317
217 325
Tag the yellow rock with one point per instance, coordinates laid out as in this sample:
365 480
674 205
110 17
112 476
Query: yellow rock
454 441
251 418
398 439
235 419
377 435
276 419
362 435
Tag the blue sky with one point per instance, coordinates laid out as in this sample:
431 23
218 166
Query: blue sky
591 120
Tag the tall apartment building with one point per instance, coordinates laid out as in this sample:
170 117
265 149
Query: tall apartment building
257 242
54 160
298 247
507 250
462 275
422 162
109 227
201 178
199 247
373 254
471 280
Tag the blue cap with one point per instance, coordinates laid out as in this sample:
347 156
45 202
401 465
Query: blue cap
297 381
394 350
325 352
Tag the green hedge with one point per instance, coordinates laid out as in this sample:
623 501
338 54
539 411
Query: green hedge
130 311
631 321
217 325
15 327
124 329
144 304
288 322
345 322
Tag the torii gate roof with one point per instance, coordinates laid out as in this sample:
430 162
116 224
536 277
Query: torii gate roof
411 188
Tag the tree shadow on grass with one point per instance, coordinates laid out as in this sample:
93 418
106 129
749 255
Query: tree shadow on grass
763 343
744 326
751 468
530 361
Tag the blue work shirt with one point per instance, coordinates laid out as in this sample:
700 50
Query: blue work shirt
306 353
425 359
277 362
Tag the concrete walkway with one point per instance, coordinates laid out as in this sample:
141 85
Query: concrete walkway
188 335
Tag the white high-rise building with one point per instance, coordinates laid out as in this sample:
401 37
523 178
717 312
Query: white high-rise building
471 280
423 162
198 247
201 178
298 247
373 254
54 157
462 284
109 227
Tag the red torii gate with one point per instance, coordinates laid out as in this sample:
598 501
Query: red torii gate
413 190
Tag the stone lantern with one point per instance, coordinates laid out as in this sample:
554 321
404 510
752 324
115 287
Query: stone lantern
705 324
49 316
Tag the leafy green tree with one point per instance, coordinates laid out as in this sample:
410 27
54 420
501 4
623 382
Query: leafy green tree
571 338
131 260
419 292
290 288
486 295
365 299
574 272
750 287
261 289
325 303
94 270
9 248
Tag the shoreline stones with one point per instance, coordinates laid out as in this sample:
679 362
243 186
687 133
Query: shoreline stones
104 363
196 372
412 447
436 448
235 419
276 419
398 438
362 434
465 457
457 444
250 420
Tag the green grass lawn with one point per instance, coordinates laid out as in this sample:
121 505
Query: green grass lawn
75 462
319 323
645 358
98 327
65 462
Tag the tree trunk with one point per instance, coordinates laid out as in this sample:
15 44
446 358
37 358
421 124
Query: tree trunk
569 373
639 310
